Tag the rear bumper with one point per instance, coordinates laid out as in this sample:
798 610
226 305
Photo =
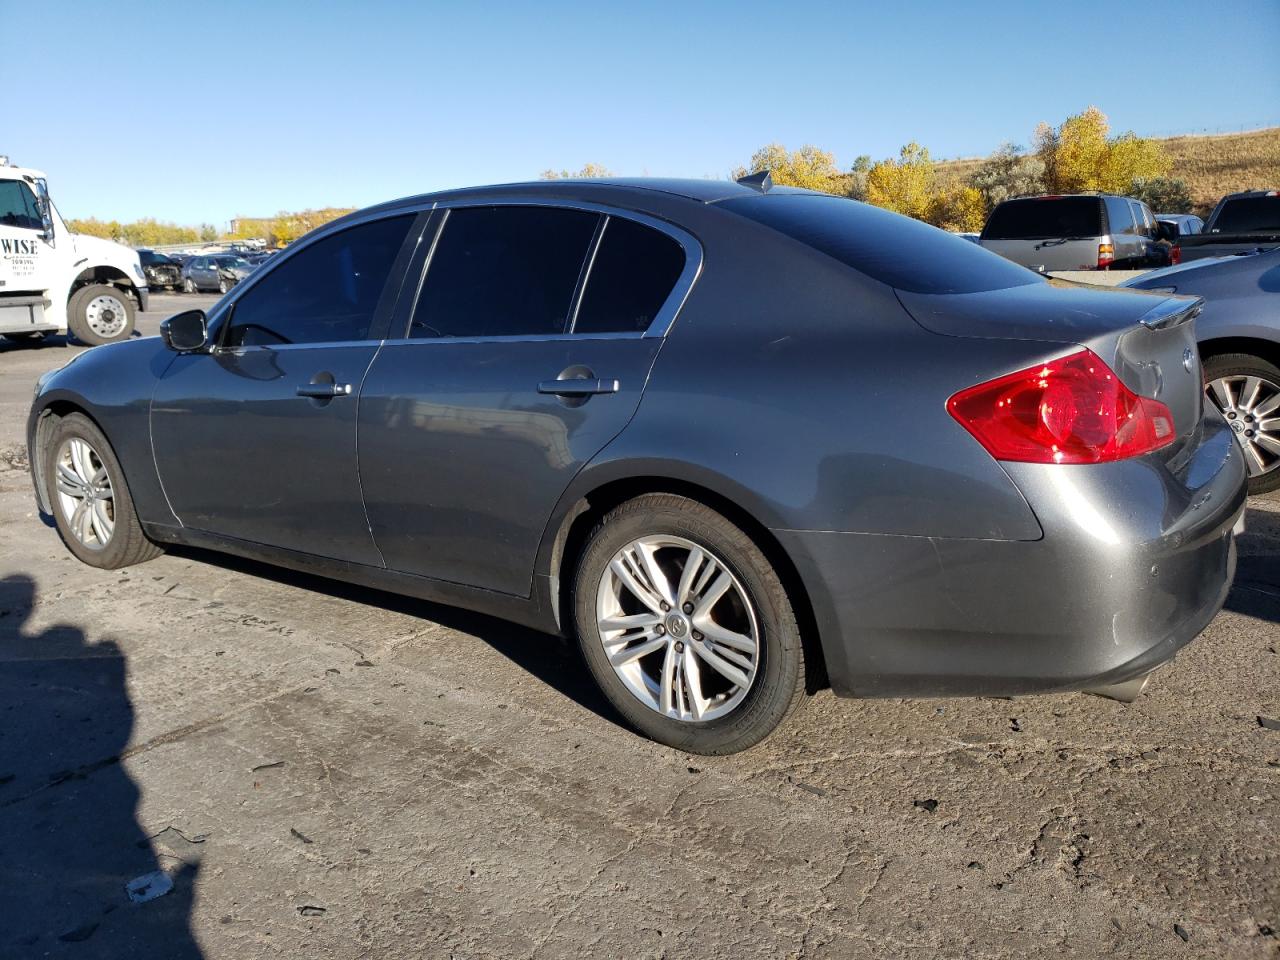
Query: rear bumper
1136 559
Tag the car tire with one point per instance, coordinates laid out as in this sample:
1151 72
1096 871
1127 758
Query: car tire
1227 377
223 286
189 286
78 459
100 313
742 598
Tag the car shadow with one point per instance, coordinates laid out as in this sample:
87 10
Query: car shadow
70 841
551 660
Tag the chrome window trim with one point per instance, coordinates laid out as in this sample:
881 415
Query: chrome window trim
662 321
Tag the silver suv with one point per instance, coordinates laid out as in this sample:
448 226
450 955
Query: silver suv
1075 232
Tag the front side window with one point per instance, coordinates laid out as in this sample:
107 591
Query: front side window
503 272
327 292
631 277
18 206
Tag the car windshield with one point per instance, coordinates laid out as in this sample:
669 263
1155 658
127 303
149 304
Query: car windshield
152 259
895 250
234 263
1249 215
1043 218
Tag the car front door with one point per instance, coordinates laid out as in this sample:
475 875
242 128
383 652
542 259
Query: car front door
524 352
255 439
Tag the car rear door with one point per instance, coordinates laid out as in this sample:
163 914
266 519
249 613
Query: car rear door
256 439
524 351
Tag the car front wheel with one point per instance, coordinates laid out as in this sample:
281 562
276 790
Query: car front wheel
1246 389
686 627
91 504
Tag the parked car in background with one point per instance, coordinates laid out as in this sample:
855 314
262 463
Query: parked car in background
1184 224
162 272
220 272
1075 232
1240 223
1239 336
442 396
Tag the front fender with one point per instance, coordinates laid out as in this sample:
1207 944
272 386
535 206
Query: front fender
112 385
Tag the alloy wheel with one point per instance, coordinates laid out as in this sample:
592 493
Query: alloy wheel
85 495
1252 408
678 628
106 316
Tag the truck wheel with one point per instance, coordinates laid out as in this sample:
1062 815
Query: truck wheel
100 313
1246 389
91 504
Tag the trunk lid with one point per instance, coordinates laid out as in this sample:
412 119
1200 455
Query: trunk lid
1148 340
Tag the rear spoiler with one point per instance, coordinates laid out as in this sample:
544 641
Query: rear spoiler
1172 313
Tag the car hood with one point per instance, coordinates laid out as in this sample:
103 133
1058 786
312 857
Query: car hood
108 250
1212 266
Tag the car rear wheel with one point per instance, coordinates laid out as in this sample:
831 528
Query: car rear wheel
686 626
1246 389
91 504
100 313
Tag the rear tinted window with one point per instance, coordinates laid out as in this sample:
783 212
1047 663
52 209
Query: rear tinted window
503 272
1249 215
631 278
892 249
1042 218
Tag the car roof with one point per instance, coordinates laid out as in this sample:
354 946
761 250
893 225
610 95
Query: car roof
602 189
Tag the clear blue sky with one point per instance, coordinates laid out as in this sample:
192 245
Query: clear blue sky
201 111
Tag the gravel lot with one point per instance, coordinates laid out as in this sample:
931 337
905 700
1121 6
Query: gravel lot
325 771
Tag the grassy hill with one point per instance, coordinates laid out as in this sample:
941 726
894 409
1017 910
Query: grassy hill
1212 165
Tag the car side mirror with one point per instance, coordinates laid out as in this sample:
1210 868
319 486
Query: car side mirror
186 331
45 210
1166 231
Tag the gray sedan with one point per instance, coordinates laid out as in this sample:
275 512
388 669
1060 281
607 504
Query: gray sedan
1239 335
218 272
739 442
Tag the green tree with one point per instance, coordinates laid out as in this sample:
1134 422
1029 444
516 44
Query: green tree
1009 172
856 179
808 167
1163 194
208 232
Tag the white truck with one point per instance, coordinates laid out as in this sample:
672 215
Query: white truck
56 281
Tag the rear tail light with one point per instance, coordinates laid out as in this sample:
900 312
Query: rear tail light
1070 410
1175 254
1106 255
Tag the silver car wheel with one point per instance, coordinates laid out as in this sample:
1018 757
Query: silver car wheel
678 628
84 494
1250 405
106 315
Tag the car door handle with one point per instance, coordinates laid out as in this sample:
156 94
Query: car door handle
578 387
324 391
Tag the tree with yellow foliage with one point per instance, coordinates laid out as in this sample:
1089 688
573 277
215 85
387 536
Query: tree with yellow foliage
808 167
588 170
1080 156
959 208
905 185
